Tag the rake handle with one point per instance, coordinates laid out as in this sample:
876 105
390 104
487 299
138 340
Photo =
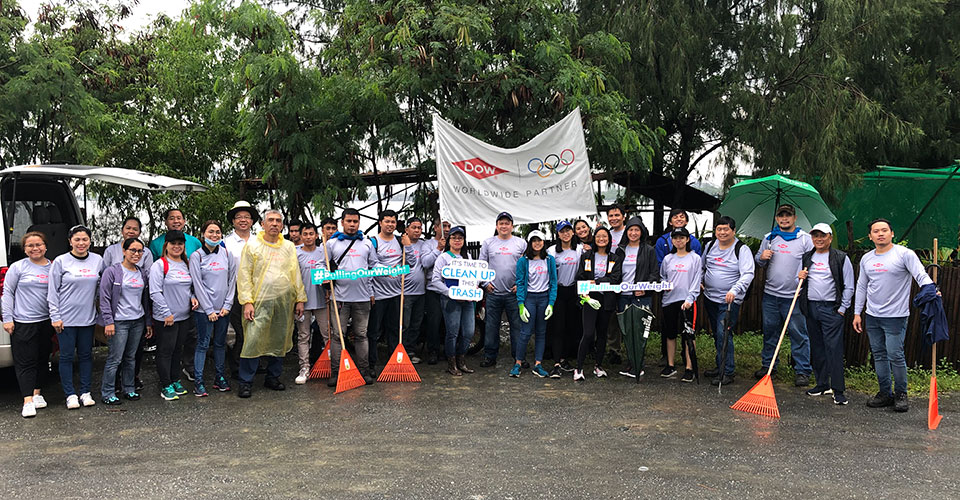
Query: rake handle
786 323
333 294
933 352
403 257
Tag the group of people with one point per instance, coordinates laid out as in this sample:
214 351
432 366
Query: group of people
185 293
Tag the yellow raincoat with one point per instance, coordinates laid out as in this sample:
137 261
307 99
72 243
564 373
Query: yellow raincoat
269 278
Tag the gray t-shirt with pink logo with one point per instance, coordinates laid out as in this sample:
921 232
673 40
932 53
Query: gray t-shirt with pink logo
784 266
884 282
684 272
502 256
567 263
310 260
73 289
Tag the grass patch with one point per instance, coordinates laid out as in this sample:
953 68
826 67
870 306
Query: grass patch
747 348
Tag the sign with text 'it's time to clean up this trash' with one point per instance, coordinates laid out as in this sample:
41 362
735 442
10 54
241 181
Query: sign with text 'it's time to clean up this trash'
464 276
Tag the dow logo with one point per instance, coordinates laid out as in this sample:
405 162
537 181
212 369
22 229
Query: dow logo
478 168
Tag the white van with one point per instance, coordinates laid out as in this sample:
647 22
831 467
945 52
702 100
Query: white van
40 198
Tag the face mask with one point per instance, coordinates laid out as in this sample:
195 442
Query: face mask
210 242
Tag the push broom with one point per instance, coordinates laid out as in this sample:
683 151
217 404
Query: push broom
760 398
399 368
933 408
349 376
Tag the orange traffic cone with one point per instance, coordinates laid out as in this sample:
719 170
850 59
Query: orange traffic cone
349 376
321 369
399 368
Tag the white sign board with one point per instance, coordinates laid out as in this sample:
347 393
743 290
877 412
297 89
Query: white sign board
470 274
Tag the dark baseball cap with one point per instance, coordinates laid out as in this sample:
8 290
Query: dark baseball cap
504 215
458 230
786 207
680 231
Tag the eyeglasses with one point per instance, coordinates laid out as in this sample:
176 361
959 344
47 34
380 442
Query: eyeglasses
243 217
135 251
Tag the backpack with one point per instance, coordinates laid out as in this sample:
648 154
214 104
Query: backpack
736 251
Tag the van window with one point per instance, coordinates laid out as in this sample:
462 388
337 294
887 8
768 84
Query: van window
47 206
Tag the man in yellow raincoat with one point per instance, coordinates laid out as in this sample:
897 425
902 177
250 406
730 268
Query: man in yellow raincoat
271 292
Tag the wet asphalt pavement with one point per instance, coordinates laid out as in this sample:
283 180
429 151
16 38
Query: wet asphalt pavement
478 436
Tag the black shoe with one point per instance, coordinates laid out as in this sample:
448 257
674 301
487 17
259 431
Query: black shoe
761 372
566 366
245 391
432 358
369 380
627 370
900 403
274 383
819 391
188 374
881 400
712 373
524 365
332 381
668 371
137 384
488 362
727 379
688 376
801 380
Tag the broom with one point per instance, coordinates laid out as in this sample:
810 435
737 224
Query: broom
399 368
349 376
760 398
933 409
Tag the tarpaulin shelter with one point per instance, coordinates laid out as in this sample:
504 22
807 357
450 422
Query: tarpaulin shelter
922 204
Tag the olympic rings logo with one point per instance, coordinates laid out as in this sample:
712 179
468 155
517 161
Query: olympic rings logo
552 163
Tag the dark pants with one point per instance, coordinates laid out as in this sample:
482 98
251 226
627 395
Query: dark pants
565 326
413 306
717 311
433 323
77 339
30 346
594 334
385 323
357 314
248 368
236 321
170 342
825 329
496 306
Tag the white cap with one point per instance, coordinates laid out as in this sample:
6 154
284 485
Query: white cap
823 228
537 234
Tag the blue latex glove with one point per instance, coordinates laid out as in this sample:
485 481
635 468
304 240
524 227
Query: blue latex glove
524 314
548 313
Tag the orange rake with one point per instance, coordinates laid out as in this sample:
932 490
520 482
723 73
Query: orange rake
400 368
760 399
321 369
349 376
933 408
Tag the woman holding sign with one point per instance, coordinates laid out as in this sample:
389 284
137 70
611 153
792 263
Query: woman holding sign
457 314
536 293
598 265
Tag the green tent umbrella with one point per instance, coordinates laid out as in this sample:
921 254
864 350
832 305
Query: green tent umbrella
753 203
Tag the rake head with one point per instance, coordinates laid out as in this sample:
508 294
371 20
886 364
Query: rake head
759 399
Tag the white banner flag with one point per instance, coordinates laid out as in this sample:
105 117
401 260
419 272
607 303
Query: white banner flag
545 179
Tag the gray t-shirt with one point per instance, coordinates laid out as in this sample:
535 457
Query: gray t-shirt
113 254
784 266
130 303
727 272
171 293
600 265
424 253
630 263
360 256
537 278
820 284
684 272
25 292
73 289
502 256
615 236
567 263
884 283
389 254
316 299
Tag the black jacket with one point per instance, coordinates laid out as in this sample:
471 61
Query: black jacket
647 267
614 275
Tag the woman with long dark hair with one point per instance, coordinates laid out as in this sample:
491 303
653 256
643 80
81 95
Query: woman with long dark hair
458 315
170 289
536 294
565 327
214 274
599 265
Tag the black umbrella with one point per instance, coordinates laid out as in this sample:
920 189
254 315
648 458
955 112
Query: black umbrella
635 324
727 327
688 341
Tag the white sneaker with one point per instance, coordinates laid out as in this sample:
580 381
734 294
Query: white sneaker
39 402
29 410
87 399
599 372
414 360
578 375
72 402
302 378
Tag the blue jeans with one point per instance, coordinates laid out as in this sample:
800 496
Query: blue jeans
77 339
825 326
717 311
123 348
886 344
774 314
496 304
458 316
536 305
248 368
219 330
